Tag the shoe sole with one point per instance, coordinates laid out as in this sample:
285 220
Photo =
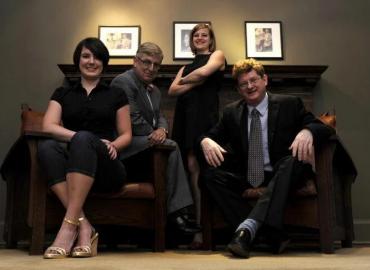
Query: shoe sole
237 251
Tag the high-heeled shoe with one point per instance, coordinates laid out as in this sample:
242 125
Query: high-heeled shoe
54 252
87 251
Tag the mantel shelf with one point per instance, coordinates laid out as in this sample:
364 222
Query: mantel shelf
307 75
285 79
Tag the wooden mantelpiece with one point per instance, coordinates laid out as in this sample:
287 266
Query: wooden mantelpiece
292 79
278 74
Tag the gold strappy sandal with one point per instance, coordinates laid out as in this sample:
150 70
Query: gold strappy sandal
58 252
87 251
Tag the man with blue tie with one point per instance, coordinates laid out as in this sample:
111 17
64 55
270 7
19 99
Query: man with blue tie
263 139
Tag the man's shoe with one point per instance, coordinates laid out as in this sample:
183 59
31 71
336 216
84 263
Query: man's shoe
184 225
240 243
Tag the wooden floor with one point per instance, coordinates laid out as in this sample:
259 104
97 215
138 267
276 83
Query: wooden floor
133 259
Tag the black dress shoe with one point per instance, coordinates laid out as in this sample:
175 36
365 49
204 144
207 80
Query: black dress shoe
184 225
240 243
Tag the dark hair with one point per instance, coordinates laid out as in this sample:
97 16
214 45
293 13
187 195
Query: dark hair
212 45
96 46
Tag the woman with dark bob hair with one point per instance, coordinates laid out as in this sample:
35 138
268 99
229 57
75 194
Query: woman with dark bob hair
82 155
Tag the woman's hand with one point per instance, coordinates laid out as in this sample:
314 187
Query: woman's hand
112 150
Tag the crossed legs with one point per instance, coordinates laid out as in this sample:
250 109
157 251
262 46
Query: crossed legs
72 193
72 173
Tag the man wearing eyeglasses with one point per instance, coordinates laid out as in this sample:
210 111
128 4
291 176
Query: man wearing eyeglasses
269 139
149 127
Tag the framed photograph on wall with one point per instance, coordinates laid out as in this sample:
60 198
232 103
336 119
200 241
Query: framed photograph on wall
264 40
181 40
121 41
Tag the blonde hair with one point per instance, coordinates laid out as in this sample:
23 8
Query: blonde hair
247 65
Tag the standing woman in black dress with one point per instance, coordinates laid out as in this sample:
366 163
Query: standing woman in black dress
82 153
197 86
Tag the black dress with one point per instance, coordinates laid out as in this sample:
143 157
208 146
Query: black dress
197 110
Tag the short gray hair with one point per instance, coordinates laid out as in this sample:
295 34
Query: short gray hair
150 48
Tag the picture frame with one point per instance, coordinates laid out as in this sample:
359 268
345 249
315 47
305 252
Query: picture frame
181 39
264 40
121 41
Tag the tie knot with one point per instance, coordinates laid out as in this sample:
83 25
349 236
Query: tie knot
255 112
149 87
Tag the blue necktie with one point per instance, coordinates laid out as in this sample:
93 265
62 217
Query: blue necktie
255 174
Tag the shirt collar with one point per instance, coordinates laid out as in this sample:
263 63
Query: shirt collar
148 87
261 107
100 86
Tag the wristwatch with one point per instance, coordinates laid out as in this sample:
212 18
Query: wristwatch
165 130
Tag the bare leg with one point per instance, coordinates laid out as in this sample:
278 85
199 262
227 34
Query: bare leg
79 186
85 229
193 167
194 175
73 195
61 191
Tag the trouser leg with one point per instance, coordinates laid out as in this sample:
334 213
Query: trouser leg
270 208
85 154
177 186
53 158
89 156
226 189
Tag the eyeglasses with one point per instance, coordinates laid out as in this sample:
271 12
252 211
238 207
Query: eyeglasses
149 64
252 82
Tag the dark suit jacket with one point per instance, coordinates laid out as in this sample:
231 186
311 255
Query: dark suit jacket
286 117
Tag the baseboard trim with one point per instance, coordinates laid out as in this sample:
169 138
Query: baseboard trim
362 230
2 241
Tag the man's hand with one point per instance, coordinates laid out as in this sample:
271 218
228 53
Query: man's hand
302 145
213 152
158 136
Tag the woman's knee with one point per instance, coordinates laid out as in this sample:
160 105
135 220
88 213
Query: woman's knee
83 139
82 136
85 149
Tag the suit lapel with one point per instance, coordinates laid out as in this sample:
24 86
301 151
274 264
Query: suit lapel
155 97
273 111
147 107
243 116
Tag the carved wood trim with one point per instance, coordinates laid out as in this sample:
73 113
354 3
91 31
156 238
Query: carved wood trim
305 75
289 79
